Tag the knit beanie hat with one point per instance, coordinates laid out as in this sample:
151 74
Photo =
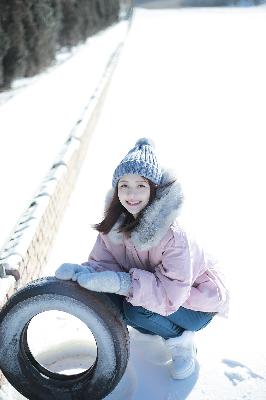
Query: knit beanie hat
141 160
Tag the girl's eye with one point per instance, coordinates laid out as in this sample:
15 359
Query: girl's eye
123 185
142 186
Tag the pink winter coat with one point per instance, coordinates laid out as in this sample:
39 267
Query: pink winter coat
168 270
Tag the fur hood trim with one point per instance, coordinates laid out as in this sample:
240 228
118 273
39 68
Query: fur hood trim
156 219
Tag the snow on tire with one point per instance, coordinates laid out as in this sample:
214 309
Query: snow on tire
95 310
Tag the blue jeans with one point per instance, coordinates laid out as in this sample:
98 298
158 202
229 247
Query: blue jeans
169 326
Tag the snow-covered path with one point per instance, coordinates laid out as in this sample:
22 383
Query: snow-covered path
193 80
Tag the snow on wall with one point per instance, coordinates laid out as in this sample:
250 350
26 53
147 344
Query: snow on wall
27 246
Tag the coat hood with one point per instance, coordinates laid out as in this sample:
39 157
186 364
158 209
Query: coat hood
157 217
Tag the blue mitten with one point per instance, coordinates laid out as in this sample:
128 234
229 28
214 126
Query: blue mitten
68 271
106 281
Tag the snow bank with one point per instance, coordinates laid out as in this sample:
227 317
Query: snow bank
37 116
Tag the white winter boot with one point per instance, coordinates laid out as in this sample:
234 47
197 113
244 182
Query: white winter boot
183 351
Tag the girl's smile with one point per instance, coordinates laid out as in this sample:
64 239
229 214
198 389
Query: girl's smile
131 203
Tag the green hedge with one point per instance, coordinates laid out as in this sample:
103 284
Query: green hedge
32 31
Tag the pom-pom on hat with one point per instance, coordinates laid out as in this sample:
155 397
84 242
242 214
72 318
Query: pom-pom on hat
141 160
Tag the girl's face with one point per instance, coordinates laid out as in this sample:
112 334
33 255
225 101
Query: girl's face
133 193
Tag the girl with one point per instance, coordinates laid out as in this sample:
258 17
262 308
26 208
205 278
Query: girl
163 282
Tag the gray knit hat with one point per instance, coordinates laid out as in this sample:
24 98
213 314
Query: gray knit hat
141 160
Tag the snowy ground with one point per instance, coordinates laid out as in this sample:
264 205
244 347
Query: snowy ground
193 80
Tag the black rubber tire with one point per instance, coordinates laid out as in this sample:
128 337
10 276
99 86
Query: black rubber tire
96 310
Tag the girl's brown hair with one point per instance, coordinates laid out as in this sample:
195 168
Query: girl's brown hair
115 209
